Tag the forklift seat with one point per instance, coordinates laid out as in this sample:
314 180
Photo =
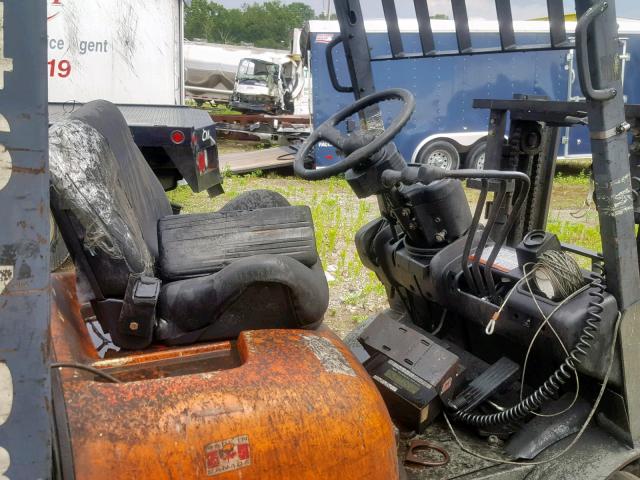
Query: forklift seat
154 276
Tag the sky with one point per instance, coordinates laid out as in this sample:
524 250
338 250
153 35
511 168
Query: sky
522 9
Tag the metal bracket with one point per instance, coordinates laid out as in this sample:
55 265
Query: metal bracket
612 132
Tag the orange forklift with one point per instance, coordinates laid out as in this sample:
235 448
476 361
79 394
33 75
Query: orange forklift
192 346
219 366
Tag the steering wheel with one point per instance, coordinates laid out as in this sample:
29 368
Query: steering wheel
357 149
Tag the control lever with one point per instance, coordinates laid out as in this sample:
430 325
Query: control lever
413 174
426 174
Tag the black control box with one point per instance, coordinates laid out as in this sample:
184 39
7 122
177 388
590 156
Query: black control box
534 244
413 372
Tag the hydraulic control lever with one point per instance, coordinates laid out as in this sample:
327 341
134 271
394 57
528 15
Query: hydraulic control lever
427 174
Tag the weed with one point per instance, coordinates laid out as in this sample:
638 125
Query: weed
226 171
582 178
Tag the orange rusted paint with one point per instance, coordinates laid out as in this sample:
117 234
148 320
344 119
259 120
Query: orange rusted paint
307 408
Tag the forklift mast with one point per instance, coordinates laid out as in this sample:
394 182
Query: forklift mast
25 421
599 72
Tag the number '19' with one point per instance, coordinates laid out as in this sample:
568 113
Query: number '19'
60 68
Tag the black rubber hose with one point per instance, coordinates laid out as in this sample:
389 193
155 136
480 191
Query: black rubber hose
86 368
562 375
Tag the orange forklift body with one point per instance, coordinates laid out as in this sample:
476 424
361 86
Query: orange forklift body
276 404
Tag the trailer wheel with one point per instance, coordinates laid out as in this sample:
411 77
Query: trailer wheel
441 154
476 156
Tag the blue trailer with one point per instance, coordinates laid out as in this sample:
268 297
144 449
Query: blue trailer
445 130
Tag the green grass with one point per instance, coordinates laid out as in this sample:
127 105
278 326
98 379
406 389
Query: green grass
587 236
581 178
220 109
213 108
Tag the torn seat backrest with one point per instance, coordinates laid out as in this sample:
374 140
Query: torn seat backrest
112 196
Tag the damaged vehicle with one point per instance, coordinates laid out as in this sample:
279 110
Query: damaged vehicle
264 86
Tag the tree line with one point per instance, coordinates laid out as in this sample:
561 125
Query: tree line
266 25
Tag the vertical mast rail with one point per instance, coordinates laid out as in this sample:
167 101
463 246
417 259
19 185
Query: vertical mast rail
25 422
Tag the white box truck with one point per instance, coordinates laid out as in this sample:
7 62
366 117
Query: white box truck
129 52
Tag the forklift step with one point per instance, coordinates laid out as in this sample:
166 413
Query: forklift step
485 385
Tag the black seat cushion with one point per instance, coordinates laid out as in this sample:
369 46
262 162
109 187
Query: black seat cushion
195 245
263 291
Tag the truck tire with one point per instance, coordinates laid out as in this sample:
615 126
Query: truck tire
255 199
476 156
623 475
439 153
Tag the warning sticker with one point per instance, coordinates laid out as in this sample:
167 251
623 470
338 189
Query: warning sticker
324 37
329 356
227 455
506 260
446 385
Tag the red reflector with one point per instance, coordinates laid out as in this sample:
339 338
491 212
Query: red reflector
177 137
202 161
329 157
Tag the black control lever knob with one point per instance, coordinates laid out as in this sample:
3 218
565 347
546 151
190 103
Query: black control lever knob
410 175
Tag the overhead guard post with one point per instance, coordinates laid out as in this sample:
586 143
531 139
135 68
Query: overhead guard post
424 27
505 24
558 32
462 25
393 29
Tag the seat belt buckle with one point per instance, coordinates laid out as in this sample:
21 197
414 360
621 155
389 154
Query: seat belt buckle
138 314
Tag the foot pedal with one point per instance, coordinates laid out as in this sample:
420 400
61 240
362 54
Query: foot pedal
485 385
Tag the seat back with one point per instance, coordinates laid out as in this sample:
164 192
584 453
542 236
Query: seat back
109 195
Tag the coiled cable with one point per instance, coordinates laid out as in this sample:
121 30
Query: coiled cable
562 375
559 272
578 436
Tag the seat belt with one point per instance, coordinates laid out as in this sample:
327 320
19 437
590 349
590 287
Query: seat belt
138 314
